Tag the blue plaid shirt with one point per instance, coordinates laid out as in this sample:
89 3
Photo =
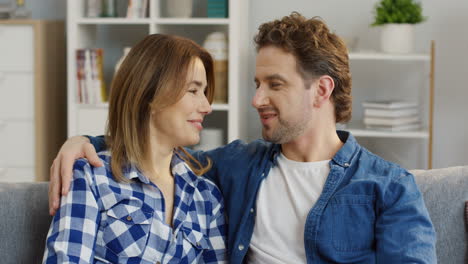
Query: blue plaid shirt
104 221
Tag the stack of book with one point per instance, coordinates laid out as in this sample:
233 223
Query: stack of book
91 87
217 8
137 9
391 115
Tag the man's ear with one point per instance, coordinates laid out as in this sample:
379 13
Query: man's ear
324 86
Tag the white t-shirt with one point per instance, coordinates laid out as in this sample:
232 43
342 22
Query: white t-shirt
283 203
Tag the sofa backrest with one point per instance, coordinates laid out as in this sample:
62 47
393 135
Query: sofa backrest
445 192
24 222
25 219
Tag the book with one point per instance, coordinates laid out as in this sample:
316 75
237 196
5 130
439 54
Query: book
99 87
399 128
389 104
137 8
217 8
88 78
391 121
373 112
91 88
80 77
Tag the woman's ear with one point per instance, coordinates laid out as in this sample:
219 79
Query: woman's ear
324 86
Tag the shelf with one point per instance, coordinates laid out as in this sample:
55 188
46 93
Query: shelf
388 56
114 21
192 21
362 132
147 21
215 107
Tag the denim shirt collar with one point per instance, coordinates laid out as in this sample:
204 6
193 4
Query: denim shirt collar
343 157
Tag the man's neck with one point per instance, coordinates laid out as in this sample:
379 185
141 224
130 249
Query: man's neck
315 145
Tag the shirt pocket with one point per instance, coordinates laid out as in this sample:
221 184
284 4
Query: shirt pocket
128 226
194 240
353 222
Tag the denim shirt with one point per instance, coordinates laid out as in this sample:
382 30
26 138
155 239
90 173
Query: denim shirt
370 210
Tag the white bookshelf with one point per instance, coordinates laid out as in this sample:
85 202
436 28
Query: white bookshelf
363 132
193 21
112 34
388 57
421 60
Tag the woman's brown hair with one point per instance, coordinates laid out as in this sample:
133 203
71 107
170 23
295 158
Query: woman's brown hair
151 78
318 52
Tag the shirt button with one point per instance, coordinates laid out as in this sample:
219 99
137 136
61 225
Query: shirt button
346 164
251 210
129 218
241 247
158 262
198 244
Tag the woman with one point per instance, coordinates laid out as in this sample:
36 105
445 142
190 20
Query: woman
146 204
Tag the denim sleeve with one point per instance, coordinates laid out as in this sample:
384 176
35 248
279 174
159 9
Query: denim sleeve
98 142
404 232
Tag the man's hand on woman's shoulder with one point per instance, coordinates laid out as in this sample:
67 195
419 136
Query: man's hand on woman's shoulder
61 170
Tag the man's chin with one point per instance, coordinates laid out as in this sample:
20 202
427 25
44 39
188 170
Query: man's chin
267 136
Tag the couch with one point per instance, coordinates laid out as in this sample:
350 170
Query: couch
25 220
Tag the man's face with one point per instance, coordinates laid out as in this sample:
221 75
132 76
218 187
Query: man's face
284 104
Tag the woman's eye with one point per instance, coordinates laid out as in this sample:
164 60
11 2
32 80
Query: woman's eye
194 91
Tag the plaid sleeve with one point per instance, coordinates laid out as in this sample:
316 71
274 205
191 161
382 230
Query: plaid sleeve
72 234
216 232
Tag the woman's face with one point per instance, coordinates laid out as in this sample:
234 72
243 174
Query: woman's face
180 124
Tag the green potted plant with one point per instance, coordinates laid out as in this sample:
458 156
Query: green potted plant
397 19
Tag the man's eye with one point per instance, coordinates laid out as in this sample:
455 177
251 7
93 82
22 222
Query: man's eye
194 91
275 85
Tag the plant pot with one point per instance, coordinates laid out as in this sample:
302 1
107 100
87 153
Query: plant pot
397 38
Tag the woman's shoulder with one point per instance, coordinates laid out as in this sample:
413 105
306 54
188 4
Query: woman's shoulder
84 169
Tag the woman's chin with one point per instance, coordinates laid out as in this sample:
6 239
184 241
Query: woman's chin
192 142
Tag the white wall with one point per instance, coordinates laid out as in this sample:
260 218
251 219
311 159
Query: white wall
446 24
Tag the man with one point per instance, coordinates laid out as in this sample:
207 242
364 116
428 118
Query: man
306 193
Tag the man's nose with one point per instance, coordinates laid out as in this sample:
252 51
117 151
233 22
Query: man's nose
260 98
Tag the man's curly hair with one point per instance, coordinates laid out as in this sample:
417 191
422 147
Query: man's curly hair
318 52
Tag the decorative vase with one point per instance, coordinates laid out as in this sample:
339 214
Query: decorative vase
397 38
216 44
179 8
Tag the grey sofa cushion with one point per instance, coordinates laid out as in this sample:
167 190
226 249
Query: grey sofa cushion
24 222
445 192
